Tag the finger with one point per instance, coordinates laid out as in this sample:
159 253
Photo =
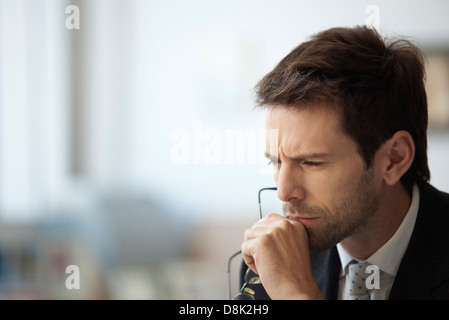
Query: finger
247 253
255 231
268 220
273 217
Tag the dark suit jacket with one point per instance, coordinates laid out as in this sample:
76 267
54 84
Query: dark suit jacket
424 270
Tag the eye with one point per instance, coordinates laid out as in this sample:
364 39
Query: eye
312 163
273 162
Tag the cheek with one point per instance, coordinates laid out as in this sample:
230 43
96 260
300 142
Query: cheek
333 187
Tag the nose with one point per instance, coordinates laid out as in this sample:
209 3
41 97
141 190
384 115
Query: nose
289 184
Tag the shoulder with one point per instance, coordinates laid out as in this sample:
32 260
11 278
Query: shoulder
433 215
429 190
434 201
424 269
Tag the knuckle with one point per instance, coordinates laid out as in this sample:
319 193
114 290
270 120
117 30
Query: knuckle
244 248
265 239
271 215
284 224
247 233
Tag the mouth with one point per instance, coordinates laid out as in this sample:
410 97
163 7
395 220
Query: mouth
304 220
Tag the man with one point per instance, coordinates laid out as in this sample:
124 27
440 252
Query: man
350 110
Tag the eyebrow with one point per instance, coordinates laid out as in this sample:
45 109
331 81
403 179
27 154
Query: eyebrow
300 157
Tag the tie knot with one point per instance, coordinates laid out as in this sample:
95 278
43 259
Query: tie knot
357 281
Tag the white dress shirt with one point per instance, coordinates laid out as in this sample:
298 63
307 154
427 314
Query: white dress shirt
387 258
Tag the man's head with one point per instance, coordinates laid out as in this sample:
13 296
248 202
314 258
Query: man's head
377 89
351 115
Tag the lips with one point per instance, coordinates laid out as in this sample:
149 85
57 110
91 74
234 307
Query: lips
303 220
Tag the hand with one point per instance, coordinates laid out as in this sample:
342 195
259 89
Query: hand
277 249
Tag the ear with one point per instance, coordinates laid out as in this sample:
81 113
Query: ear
400 152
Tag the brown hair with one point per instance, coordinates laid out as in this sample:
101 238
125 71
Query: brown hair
377 86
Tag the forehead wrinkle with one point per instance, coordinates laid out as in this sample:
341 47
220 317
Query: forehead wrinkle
294 141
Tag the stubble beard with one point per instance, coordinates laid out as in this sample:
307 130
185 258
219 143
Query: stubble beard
351 215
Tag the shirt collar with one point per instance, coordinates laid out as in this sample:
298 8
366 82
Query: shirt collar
389 256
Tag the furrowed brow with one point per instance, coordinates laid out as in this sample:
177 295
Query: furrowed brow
301 157
309 156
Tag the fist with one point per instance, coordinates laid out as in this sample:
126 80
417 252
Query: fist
277 249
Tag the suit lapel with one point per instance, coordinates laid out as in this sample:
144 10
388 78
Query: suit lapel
424 269
326 271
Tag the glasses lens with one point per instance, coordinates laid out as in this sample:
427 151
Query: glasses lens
270 203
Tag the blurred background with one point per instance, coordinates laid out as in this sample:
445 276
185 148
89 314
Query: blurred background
129 145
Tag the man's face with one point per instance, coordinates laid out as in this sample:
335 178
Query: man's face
321 178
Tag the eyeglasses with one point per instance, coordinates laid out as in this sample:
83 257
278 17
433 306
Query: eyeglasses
245 292
261 213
